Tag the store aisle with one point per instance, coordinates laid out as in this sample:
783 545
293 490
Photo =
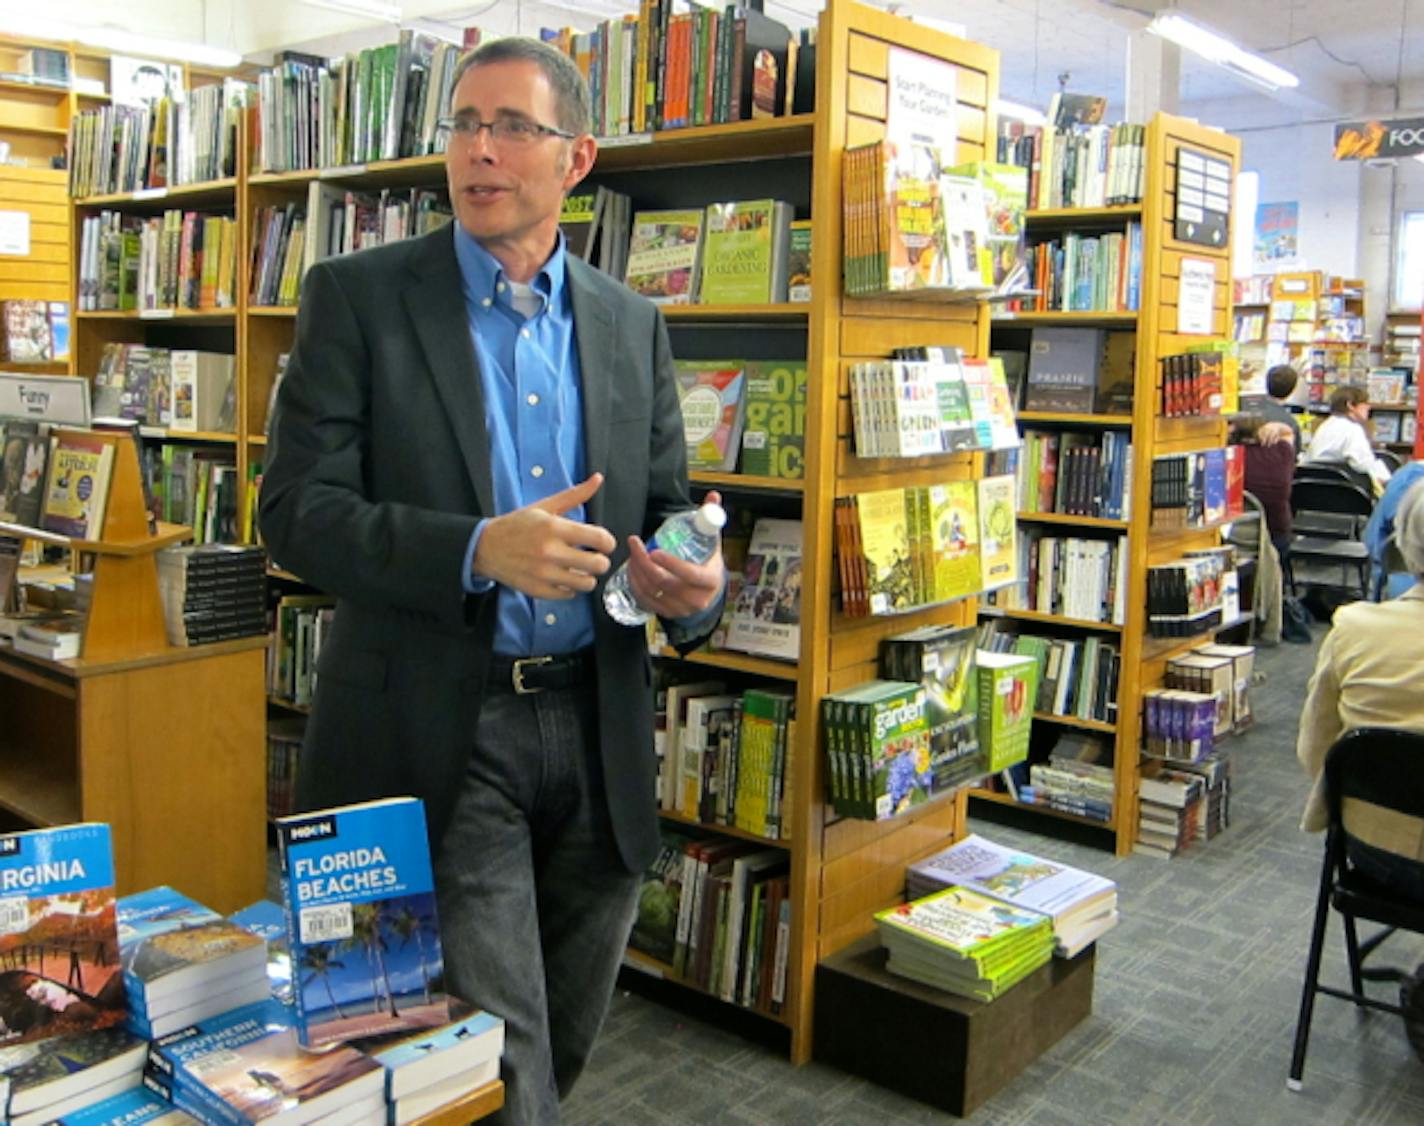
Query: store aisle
1194 1010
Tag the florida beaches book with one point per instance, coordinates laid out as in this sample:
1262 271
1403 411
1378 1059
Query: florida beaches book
359 898
59 941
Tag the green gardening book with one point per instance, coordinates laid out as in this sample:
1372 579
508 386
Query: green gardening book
774 434
744 252
1008 685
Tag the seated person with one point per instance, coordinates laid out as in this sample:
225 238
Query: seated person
1343 438
1390 584
1368 674
1280 382
1269 451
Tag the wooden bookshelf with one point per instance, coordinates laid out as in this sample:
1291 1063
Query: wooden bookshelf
1143 659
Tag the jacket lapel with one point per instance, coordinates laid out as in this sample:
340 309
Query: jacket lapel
436 303
594 328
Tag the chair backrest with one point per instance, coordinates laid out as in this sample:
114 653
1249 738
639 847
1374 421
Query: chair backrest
1381 766
1331 496
1249 534
1323 471
1390 458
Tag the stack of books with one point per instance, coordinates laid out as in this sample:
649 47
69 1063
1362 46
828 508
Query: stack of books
878 749
183 962
1083 906
1168 801
62 1041
965 943
213 592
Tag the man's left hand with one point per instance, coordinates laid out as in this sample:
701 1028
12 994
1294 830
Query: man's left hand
670 587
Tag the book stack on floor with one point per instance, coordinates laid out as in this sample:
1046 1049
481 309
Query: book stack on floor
1083 906
1168 810
965 943
1077 778
62 1042
213 592
183 962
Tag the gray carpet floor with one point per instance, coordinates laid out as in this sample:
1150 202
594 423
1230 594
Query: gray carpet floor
1194 1009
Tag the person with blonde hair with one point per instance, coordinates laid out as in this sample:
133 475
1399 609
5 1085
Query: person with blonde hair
1367 674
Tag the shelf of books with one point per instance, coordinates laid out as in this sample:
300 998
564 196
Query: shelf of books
1122 399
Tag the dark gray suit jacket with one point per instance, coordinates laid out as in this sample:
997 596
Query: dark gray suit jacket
378 469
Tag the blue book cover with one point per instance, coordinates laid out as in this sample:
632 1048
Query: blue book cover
1214 486
359 898
59 939
247 1065
132 1108
172 947
266 920
413 1061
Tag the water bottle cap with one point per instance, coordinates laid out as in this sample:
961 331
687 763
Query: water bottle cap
710 519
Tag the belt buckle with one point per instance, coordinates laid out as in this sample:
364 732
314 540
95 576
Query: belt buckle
516 674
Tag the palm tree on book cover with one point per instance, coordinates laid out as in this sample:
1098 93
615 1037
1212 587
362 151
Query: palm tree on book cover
409 925
320 962
366 935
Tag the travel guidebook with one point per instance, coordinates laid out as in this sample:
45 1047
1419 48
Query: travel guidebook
246 1066
266 920
135 1107
359 897
59 940
40 1077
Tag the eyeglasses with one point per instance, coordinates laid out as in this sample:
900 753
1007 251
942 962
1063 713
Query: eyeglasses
503 130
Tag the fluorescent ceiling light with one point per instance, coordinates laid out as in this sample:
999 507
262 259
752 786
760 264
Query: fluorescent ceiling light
371 9
1026 114
1222 51
113 39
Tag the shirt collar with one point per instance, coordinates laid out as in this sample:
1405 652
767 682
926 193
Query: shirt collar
481 272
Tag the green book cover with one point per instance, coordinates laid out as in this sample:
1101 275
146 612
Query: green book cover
737 256
896 735
1008 684
798 274
774 433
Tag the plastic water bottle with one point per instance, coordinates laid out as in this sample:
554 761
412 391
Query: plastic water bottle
690 535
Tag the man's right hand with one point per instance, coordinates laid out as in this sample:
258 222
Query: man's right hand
537 551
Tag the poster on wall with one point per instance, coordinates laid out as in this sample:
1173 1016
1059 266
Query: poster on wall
1277 242
1203 198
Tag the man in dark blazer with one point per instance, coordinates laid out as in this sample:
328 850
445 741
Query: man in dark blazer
472 427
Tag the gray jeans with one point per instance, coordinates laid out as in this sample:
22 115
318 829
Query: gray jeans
535 903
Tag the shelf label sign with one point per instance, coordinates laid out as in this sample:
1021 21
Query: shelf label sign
46 398
1203 198
1196 290
1371 140
15 233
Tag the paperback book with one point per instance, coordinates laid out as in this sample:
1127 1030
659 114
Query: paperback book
247 1066
744 258
266 920
712 395
767 617
415 1061
58 934
774 432
359 898
40 1078
664 256
135 1107
22 471
78 489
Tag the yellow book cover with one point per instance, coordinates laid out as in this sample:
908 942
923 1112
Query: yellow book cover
955 526
77 492
998 539
914 226
884 546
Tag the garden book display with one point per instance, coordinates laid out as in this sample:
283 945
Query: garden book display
60 935
963 942
1082 905
358 879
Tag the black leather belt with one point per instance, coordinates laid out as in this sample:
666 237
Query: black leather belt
526 675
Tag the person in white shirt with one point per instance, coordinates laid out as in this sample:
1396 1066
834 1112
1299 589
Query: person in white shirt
1343 439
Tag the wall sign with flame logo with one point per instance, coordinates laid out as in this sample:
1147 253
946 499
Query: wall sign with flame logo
1370 140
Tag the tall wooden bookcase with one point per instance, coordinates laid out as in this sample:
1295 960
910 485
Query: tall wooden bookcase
1154 324
842 871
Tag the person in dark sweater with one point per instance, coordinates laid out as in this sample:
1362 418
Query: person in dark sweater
1269 450
1270 407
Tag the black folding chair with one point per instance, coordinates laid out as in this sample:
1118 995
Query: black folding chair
1331 515
1369 769
1391 459
1325 471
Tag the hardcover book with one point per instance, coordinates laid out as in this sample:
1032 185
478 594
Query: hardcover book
713 398
1008 686
359 897
745 251
59 940
664 254
247 1066
774 432
1063 370
77 492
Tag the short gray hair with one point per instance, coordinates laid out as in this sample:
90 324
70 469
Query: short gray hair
1409 528
572 101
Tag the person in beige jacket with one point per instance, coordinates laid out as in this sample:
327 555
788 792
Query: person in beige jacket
1370 673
